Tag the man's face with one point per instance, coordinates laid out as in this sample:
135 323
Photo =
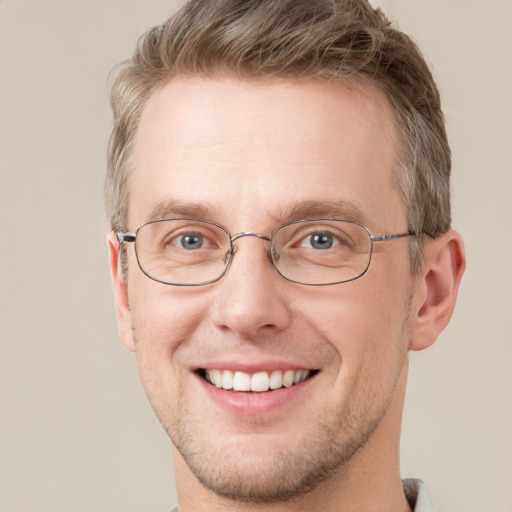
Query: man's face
244 155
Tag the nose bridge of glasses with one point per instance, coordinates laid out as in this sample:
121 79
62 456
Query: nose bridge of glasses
250 233
234 238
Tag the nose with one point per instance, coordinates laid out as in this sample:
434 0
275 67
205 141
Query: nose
251 298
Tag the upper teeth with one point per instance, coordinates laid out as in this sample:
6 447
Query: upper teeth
261 381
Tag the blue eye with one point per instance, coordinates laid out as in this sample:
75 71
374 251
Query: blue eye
321 241
190 242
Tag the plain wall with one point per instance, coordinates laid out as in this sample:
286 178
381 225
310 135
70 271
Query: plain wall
76 432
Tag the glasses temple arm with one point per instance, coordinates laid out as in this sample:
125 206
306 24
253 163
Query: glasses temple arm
384 238
125 237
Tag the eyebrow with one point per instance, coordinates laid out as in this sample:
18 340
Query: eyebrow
311 209
172 208
343 210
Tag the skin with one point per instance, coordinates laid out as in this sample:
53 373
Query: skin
248 151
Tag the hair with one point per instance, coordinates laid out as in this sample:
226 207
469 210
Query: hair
327 40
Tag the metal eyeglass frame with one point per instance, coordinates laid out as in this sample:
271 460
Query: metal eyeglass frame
124 237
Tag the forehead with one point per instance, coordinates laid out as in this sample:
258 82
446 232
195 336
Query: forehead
232 149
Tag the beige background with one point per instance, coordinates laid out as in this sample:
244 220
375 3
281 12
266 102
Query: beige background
76 432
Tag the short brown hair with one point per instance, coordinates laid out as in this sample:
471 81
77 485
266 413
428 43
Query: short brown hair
330 40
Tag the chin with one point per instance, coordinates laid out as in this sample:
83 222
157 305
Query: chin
260 470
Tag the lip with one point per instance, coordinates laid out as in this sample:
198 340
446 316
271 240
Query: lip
251 367
253 403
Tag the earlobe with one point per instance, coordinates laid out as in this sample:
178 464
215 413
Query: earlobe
123 311
437 287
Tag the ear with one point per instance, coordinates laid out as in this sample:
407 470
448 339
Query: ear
124 316
437 287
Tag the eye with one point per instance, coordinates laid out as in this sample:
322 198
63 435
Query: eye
320 241
189 241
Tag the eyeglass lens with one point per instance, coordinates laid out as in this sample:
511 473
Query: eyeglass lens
190 252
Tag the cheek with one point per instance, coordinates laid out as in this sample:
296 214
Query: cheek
163 318
352 312
163 323
364 324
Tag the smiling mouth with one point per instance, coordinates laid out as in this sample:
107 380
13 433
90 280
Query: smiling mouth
257 382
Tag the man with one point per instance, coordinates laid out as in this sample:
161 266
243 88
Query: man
278 190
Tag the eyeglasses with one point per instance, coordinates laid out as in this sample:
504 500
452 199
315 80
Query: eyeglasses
192 252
